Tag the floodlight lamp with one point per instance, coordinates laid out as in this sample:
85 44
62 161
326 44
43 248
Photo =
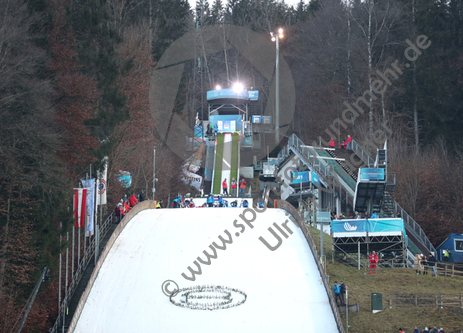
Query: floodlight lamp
217 87
273 39
238 87
280 36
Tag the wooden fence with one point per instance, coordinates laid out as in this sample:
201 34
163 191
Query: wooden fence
443 269
425 300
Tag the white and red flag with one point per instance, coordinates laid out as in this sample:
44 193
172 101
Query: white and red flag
101 184
80 199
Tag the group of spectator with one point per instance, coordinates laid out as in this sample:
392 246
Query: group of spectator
126 203
423 264
211 130
346 144
339 290
425 330
234 185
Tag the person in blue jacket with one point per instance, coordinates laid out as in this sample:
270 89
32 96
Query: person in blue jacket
210 200
337 292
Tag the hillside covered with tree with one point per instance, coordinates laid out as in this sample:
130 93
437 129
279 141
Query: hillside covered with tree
75 85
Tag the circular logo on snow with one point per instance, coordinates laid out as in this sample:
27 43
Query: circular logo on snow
248 54
208 298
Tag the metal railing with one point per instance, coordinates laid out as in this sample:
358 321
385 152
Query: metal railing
362 154
82 266
408 220
315 164
414 228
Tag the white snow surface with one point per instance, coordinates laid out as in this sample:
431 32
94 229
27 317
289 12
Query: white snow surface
284 288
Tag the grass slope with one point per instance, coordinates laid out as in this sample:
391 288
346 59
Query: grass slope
361 285
218 164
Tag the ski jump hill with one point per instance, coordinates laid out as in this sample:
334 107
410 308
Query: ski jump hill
207 270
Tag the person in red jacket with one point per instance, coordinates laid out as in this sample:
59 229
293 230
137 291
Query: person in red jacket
332 143
242 187
126 208
373 262
133 200
343 144
234 187
349 140
225 187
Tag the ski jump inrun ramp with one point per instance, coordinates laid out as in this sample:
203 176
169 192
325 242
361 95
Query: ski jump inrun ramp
262 279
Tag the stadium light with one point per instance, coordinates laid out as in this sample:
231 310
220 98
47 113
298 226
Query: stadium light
217 87
275 38
238 87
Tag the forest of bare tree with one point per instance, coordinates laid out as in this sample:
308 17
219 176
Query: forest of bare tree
74 88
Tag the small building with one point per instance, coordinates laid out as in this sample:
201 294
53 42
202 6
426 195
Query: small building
454 243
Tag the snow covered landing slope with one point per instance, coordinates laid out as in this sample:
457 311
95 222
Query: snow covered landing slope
280 285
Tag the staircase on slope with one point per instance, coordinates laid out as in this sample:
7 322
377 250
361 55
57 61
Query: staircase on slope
354 162
413 229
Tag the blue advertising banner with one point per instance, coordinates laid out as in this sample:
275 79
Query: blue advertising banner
227 123
371 174
227 93
300 177
89 184
370 225
253 95
315 179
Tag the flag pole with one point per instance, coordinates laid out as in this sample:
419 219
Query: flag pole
78 230
95 222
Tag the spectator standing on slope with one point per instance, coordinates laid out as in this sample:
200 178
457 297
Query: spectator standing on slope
373 259
343 144
348 142
225 187
337 292
242 187
141 196
233 187
432 263
332 144
416 330
424 262
417 264
210 200
126 207
133 200
118 212
343 293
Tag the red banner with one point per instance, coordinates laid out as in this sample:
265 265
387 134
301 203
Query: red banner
79 202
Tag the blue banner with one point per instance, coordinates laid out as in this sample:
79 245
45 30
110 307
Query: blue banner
371 174
370 225
253 95
90 186
300 177
227 93
315 179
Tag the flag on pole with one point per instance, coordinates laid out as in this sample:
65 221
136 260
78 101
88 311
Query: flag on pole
90 185
80 199
101 184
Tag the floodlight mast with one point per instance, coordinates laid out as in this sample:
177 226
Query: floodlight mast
275 38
